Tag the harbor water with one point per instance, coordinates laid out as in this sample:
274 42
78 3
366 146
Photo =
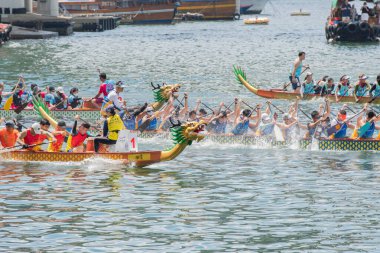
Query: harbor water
214 197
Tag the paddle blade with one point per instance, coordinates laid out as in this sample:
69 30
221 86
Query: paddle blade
20 108
8 103
144 125
333 129
364 129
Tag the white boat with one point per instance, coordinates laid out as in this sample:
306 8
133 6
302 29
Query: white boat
252 6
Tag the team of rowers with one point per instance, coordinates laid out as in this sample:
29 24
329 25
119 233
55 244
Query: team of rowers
327 86
226 120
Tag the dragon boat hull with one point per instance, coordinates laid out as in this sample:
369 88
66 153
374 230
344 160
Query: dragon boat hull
139 159
283 94
344 144
83 113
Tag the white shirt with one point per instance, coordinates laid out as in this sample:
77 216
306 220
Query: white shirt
116 99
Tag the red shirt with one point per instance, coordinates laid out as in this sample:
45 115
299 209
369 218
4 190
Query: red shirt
42 94
103 89
8 139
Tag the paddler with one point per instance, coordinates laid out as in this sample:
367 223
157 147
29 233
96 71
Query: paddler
36 134
8 135
60 134
242 119
318 118
75 142
74 101
288 126
343 125
375 89
296 71
114 96
370 119
105 87
308 84
266 125
343 87
361 87
113 125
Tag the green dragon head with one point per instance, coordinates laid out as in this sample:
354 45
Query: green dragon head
188 132
163 93
241 76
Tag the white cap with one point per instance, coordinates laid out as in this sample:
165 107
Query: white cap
309 74
37 128
60 90
265 117
149 109
363 77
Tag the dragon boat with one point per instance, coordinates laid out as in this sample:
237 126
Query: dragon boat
283 94
344 144
161 94
183 135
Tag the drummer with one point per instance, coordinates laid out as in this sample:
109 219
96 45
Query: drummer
112 126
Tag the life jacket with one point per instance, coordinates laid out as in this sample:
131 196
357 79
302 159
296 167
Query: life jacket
266 129
75 141
129 121
115 124
110 84
56 146
342 132
73 101
343 90
153 125
241 128
17 101
309 88
369 132
30 139
8 139
219 127
58 101
376 92
361 90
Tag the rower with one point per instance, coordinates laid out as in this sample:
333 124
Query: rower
266 126
60 99
113 125
60 134
104 89
361 87
317 119
242 119
49 96
75 142
114 96
129 116
375 89
296 71
74 101
341 120
329 87
36 134
370 118
308 84
8 135
219 123
342 89
288 126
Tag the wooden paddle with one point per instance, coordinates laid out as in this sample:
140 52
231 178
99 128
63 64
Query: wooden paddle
10 149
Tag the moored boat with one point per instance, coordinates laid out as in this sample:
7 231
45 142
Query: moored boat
345 25
283 94
135 12
256 21
211 9
252 6
344 144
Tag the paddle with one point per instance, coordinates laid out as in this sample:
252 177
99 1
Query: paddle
276 107
335 128
342 96
21 108
9 101
10 149
289 83
208 107
304 113
253 109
